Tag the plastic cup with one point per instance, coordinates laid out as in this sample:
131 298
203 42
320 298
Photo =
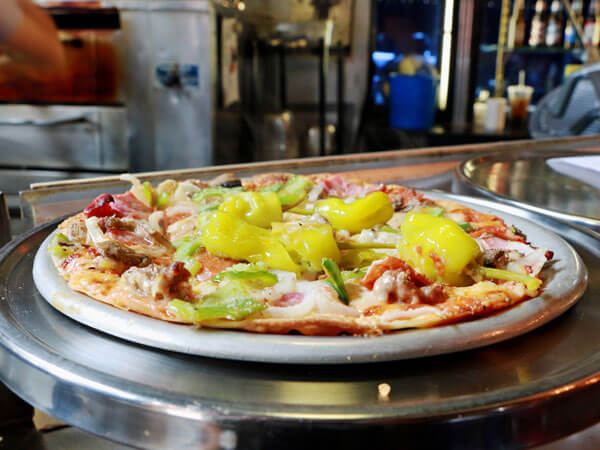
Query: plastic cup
519 97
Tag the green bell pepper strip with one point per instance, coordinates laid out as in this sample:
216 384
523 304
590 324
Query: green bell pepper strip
531 283
193 266
335 279
214 191
187 247
436 211
294 191
60 246
349 275
231 302
258 278
272 187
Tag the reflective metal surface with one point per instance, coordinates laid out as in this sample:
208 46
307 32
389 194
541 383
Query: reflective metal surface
4 221
526 391
525 179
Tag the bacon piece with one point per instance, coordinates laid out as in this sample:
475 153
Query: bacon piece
341 187
126 205
378 268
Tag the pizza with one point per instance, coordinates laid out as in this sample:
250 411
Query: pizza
283 253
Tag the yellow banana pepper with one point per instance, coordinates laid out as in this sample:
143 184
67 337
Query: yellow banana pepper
256 208
308 243
229 236
374 209
437 247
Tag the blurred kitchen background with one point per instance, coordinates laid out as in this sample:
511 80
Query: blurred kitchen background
166 84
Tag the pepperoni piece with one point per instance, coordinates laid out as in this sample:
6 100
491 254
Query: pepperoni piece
102 206
392 263
212 265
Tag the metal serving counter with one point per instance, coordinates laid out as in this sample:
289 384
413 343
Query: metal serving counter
524 392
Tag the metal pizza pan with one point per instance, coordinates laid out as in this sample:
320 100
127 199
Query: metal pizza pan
529 180
564 282
530 389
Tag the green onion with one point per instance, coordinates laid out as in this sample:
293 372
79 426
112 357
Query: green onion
389 229
466 226
163 200
148 193
335 279
350 245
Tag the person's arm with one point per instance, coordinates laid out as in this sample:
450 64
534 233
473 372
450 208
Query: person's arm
33 40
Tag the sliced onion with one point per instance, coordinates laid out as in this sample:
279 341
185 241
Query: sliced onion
302 309
155 220
328 303
137 189
184 192
395 314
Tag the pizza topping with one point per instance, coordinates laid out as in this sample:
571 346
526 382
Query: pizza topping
437 247
228 236
334 279
257 279
378 268
532 284
308 243
116 250
60 246
340 187
231 302
127 205
227 180
519 257
102 206
256 208
367 212
294 191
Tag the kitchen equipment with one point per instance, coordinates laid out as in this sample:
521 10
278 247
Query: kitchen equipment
4 221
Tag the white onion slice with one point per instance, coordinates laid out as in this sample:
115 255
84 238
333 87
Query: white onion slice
302 309
395 314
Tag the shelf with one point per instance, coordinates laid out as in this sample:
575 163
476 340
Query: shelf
492 48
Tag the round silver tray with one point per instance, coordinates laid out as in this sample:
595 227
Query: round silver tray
524 179
525 391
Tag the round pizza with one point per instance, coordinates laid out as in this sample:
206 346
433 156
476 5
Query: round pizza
281 253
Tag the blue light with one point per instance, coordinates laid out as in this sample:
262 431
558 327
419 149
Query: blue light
382 58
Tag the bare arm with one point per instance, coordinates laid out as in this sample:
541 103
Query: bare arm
34 39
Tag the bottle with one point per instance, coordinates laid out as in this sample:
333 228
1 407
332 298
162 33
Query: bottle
555 24
589 25
571 39
537 34
516 26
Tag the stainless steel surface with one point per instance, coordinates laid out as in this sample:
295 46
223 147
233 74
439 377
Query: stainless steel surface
63 137
170 122
526 391
565 282
525 179
4 221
